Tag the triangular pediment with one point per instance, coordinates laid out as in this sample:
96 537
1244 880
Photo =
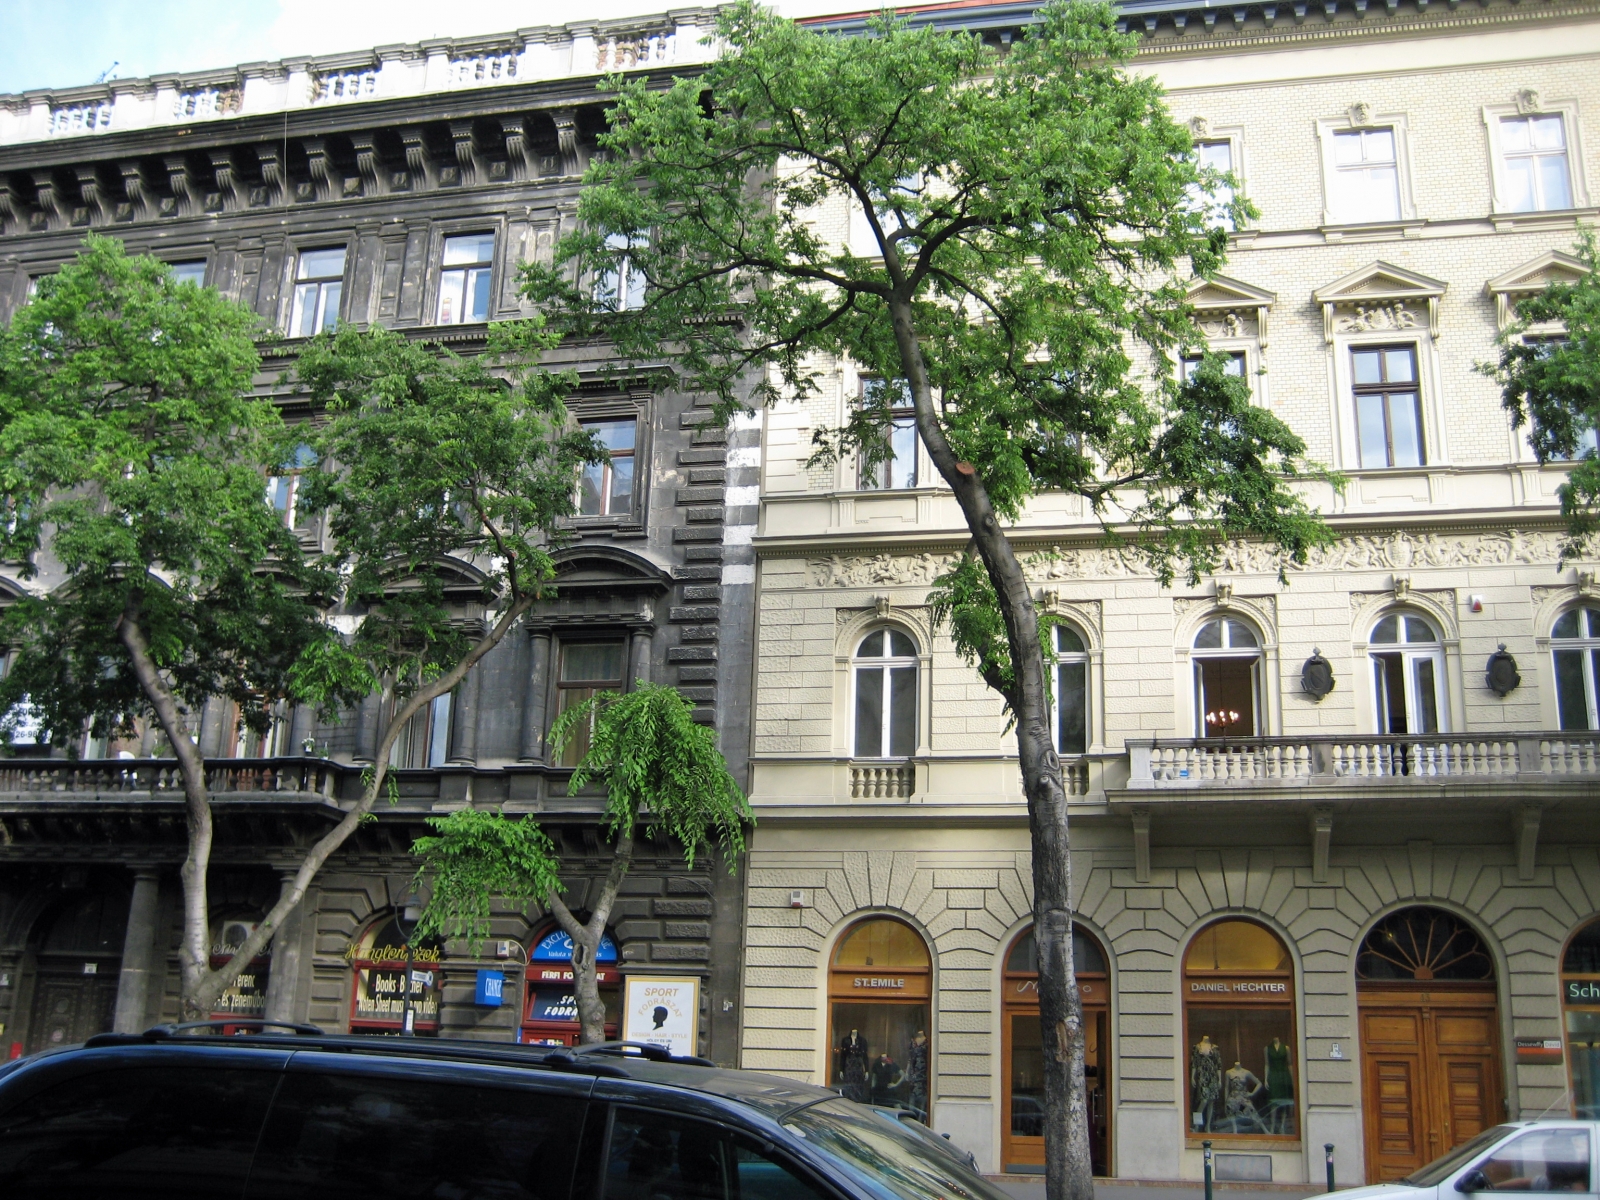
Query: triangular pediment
1553 266
1381 281
1222 292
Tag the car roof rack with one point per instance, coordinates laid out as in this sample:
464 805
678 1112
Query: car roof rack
169 1030
648 1050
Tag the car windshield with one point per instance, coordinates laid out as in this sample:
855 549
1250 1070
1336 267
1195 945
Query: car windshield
1446 1165
891 1161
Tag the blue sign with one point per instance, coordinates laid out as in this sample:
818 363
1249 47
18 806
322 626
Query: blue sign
491 988
554 1004
556 946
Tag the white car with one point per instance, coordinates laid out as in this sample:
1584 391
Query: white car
1528 1158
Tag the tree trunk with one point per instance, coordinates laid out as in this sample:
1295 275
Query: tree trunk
1069 1174
202 986
586 943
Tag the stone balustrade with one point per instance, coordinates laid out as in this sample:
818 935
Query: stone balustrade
155 776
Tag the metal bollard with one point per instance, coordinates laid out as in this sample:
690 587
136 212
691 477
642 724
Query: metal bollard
1206 1146
1327 1148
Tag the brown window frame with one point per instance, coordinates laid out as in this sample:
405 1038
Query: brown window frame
1386 388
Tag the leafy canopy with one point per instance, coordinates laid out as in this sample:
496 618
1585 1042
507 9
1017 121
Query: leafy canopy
655 759
1549 374
1031 214
427 456
130 432
475 856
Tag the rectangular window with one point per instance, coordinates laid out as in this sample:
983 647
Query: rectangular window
1234 366
1388 406
425 740
899 470
1218 156
1366 177
587 668
190 272
1534 153
282 490
319 283
606 489
467 265
620 289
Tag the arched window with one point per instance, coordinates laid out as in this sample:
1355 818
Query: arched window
1424 944
886 695
1072 691
879 988
1238 990
1575 639
1580 1000
1227 679
382 997
1408 675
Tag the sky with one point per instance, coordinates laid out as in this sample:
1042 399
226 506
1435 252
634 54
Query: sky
64 43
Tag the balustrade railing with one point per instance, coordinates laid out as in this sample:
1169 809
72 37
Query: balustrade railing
114 776
882 781
1278 762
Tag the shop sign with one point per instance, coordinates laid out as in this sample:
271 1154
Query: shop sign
491 989
556 946
663 1012
1539 1050
553 1004
1583 991
873 982
246 998
1026 991
394 954
544 974
1237 989
380 996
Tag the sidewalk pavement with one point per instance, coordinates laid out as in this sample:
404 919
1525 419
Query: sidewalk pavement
1031 1187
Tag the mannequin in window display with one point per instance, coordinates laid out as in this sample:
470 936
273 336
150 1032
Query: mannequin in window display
1205 1080
853 1066
886 1080
1280 1087
1240 1100
917 1075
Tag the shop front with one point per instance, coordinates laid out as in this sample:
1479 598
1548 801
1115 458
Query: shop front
879 986
1580 1004
394 982
550 1006
246 996
1022 1051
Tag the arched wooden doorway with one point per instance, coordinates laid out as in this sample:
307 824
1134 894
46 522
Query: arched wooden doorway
1430 1039
878 988
78 959
1022 1054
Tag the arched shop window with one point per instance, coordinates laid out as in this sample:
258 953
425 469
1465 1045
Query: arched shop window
878 1024
380 960
1227 679
1580 997
1023 1119
247 995
550 1007
1238 992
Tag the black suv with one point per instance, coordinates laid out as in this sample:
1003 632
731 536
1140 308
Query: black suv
266 1116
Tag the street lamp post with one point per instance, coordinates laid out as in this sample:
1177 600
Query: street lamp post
410 914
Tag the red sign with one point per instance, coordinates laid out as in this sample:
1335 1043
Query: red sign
547 973
1539 1050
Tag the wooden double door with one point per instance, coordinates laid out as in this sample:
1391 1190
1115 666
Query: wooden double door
1430 1075
69 1007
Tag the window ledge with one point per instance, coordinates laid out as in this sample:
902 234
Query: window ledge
1544 218
1372 231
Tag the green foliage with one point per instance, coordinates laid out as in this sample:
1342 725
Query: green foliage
425 454
964 598
1034 210
1549 374
475 856
655 759
130 431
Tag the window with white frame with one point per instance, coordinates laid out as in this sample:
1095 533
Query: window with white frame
466 267
190 272
620 287
283 488
606 489
1533 157
1365 177
1215 202
1072 691
899 468
1575 646
1408 675
1388 406
885 695
1227 679
318 287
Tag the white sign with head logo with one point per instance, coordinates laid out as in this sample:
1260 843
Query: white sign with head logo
663 1012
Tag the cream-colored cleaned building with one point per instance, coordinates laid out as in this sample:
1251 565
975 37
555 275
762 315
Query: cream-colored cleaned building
1358 916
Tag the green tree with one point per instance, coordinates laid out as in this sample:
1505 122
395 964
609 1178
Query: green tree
658 766
133 463
1549 375
1034 216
